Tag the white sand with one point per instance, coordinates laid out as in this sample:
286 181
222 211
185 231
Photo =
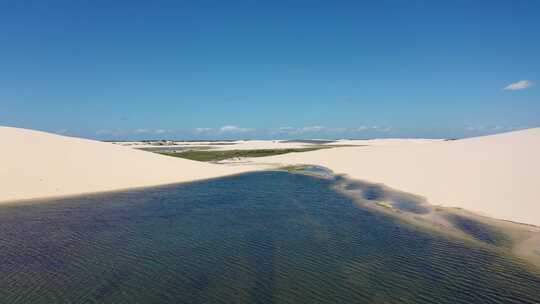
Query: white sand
270 144
36 164
496 175
261 144
219 145
283 144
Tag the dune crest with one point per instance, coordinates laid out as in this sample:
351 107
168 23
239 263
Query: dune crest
496 175
36 164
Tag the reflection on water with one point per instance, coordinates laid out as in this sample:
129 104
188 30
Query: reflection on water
268 237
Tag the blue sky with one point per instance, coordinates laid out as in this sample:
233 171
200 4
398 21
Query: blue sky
270 69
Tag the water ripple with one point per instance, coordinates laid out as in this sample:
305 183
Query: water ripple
267 237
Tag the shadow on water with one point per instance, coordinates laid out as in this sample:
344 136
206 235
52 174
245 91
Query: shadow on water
378 193
479 231
266 237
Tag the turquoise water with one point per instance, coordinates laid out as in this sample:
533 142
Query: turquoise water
268 237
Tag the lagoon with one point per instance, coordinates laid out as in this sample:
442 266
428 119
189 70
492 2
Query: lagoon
266 237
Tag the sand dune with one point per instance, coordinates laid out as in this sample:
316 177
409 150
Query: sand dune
496 175
36 164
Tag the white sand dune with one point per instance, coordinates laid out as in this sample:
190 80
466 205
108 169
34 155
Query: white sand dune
36 164
497 175
284 144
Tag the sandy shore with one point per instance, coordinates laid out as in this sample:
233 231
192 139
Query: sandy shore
36 164
497 176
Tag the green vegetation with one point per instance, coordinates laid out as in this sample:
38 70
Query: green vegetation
294 169
214 155
386 205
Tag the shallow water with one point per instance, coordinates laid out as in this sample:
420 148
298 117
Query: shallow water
479 231
267 237
376 193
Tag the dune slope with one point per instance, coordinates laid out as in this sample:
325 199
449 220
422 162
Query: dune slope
36 164
497 175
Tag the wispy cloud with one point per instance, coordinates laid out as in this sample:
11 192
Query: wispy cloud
140 131
114 133
371 128
201 131
151 131
233 129
311 130
62 131
227 129
493 128
520 85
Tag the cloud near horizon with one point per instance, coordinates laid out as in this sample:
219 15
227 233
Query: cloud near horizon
328 131
233 129
140 131
520 85
227 129
237 131
151 131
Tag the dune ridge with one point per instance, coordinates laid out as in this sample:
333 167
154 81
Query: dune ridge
496 175
35 164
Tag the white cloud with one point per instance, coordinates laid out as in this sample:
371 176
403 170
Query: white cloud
203 130
151 131
286 128
371 128
116 132
361 128
326 130
141 131
299 131
62 131
493 128
227 129
313 129
233 129
281 131
383 129
520 85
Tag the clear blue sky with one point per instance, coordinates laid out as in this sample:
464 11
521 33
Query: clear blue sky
270 69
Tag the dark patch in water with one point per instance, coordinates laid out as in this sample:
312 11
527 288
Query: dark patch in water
400 201
373 193
479 231
409 205
268 237
354 186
